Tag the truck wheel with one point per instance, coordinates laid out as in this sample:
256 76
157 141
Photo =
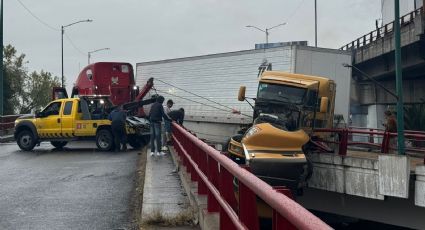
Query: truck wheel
104 140
59 144
136 142
26 140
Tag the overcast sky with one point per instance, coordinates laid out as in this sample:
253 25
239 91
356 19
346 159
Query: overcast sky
139 30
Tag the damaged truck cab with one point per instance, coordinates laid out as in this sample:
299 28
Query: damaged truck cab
287 109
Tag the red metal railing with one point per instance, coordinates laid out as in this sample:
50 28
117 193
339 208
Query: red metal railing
214 174
8 121
345 138
381 32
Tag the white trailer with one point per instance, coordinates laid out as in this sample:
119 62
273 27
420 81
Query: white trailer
217 77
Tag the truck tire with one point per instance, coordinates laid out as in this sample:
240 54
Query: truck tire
26 140
59 144
136 142
104 140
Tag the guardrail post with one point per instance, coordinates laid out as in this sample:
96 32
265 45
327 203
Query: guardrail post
213 205
385 142
343 143
247 205
371 140
226 189
186 163
202 188
278 221
194 155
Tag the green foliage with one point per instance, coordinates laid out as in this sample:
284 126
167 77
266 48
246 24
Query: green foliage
39 88
14 78
414 117
24 92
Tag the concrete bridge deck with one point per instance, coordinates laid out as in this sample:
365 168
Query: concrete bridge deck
362 181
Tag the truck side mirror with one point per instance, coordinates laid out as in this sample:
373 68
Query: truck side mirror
324 102
38 113
241 94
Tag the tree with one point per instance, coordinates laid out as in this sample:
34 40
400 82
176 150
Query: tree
414 117
38 94
24 92
14 78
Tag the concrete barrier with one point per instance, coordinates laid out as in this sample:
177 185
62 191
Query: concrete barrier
206 220
420 186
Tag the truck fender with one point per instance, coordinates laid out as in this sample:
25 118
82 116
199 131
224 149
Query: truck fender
108 127
26 125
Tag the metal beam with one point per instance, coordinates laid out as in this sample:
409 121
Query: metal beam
1 62
399 80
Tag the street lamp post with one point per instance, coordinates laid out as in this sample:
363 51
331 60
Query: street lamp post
94 51
62 33
266 31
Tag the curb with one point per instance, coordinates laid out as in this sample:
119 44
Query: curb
207 220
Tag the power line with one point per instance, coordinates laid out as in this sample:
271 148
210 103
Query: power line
198 95
218 108
38 19
73 45
295 11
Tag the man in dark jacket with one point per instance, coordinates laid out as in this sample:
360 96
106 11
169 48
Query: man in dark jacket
156 115
118 117
177 116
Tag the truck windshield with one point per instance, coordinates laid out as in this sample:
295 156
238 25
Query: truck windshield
283 93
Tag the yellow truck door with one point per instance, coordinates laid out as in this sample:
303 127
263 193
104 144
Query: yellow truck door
83 124
49 125
68 118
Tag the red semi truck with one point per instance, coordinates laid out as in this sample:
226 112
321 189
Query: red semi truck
107 78
112 79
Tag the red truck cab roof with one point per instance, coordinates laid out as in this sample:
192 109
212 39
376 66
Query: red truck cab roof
107 78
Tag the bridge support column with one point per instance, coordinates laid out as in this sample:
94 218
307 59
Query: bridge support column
394 175
420 186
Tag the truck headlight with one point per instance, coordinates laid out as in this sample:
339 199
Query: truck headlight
236 149
253 130
247 157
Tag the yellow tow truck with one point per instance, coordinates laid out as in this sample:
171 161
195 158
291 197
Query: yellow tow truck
69 119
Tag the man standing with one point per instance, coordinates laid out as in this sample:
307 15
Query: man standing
118 117
156 115
391 126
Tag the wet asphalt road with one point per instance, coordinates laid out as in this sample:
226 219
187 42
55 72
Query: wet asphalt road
76 188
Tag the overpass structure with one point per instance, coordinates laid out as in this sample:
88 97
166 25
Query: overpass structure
373 54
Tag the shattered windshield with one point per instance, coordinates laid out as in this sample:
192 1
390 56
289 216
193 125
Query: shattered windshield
281 93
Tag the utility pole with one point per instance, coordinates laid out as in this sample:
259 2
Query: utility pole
266 30
94 51
62 32
399 79
1 64
315 23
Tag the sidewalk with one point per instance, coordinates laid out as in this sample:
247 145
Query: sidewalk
163 192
